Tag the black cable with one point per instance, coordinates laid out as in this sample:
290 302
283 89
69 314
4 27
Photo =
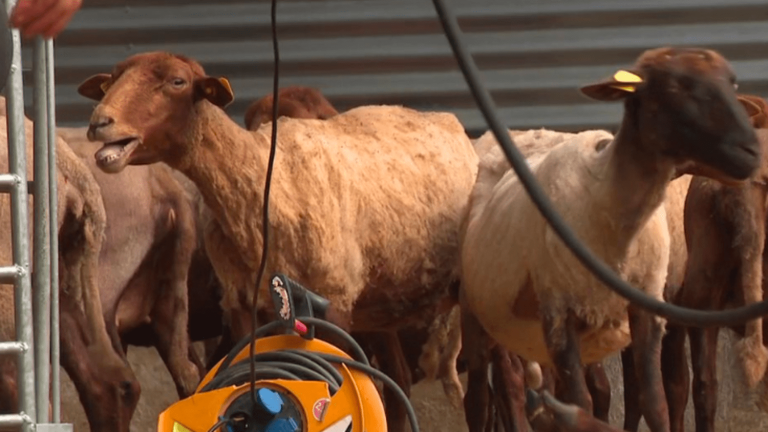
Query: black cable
357 353
222 421
259 333
681 315
296 364
384 379
267 184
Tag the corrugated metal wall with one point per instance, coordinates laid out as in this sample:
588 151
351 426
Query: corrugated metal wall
534 53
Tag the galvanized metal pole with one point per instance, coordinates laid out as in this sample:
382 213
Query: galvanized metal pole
53 189
17 161
41 278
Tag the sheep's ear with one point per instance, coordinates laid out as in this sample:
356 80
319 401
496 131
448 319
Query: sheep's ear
751 107
756 110
218 91
95 87
621 84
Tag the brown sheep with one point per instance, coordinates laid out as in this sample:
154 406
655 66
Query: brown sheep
294 102
725 233
370 222
424 349
106 384
146 256
523 288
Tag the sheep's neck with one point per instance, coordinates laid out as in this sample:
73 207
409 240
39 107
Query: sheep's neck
228 165
634 183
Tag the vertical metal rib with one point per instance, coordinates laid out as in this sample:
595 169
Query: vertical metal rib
41 279
17 161
55 349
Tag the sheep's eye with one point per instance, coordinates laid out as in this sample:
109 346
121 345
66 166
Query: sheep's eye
178 82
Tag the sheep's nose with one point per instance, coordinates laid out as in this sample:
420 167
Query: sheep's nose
98 121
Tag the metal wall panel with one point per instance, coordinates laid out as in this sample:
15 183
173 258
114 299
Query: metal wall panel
534 53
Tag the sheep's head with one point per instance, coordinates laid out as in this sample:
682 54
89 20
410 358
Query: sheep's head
681 103
294 102
147 104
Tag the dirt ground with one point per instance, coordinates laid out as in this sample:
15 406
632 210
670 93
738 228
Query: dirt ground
736 411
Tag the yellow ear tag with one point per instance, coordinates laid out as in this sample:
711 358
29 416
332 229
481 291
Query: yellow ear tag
225 83
626 88
625 77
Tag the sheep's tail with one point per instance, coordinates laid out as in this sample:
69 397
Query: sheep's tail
440 353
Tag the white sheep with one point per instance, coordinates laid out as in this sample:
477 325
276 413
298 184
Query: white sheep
524 289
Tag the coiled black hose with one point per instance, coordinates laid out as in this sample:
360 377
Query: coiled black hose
300 365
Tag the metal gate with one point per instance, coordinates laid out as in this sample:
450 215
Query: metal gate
37 334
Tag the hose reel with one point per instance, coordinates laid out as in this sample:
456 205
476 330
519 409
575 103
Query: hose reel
302 384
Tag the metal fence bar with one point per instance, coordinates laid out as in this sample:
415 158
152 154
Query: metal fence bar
41 277
10 274
17 162
12 347
14 420
8 182
53 190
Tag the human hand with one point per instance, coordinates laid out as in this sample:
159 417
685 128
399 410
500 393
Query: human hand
45 18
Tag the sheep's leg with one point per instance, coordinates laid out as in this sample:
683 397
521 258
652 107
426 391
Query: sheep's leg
647 331
570 418
704 362
632 410
509 385
448 370
183 360
476 343
539 417
386 347
170 320
224 344
106 386
563 344
494 416
196 359
674 368
750 349
600 389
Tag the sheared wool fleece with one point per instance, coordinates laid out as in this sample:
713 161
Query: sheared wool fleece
371 199
509 249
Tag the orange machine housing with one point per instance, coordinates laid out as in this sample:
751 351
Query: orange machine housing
357 397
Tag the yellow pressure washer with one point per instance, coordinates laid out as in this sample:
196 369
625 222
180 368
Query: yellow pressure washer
302 384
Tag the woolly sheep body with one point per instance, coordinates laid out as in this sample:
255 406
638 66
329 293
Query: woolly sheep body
370 198
506 233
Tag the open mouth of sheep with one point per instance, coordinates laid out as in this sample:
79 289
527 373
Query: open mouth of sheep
116 152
